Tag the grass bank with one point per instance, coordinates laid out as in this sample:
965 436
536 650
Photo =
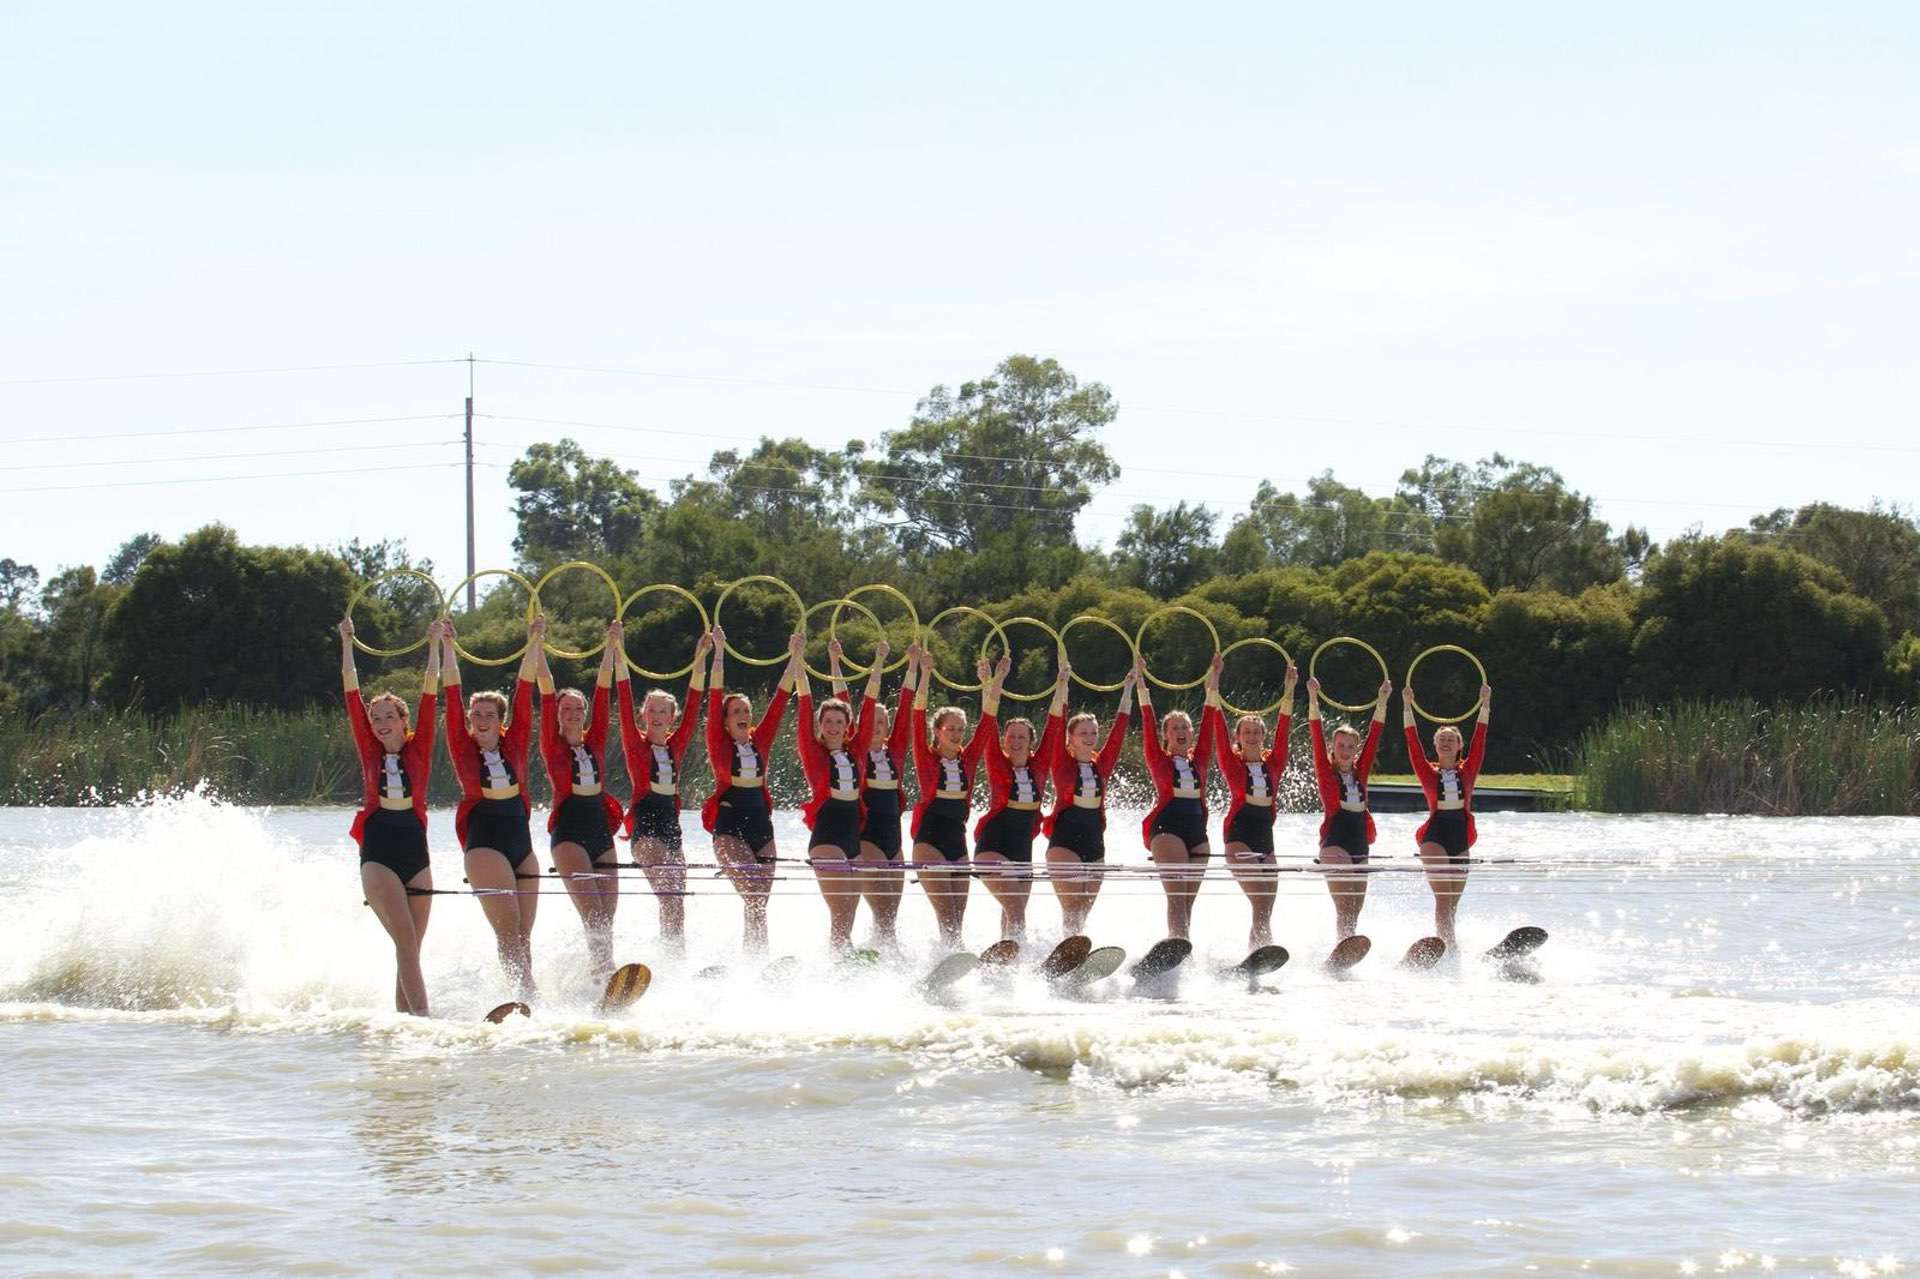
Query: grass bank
1832 756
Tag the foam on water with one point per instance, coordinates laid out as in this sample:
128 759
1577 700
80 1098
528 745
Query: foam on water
1653 997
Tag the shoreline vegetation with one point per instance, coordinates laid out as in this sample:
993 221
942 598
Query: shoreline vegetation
1830 756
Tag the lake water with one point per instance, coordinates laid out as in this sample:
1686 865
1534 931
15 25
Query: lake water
1718 1071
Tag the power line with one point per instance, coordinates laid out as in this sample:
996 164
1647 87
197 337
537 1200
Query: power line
226 430
297 368
226 457
222 479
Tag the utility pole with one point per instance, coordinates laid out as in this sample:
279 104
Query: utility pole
471 570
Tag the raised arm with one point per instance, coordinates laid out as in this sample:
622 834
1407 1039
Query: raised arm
690 708
1117 735
1364 767
1477 753
1416 754
350 684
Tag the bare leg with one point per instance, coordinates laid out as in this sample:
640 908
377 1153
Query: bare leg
946 884
1011 885
1449 880
593 893
509 910
1348 889
1181 885
881 887
753 880
840 886
1256 874
405 919
667 876
1075 884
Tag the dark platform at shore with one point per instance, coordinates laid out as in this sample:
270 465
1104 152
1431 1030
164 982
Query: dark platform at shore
1400 797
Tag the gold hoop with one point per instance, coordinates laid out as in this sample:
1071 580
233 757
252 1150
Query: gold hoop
1024 621
454 594
372 582
533 607
913 620
836 605
1155 680
1412 702
926 642
798 606
705 626
1313 663
1132 651
1227 652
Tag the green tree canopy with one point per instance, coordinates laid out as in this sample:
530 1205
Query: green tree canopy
1166 551
572 506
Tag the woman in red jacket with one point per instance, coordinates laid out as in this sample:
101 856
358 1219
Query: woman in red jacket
655 743
489 750
881 876
1341 767
1017 772
391 826
833 755
944 764
739 813
1252 773
1076 828
1175 829
580 827
1448 832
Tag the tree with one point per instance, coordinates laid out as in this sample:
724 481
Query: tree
18 582
127 560
1014 451
73 654
209 619
1168 551
1723 617
368 560
1332 524
1877 550
1518 525
572 506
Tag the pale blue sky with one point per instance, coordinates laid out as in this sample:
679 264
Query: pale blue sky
1619 240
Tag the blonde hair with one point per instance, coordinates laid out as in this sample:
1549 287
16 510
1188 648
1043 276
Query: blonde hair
1084 717
395 698
1169 720
496 698
660 695
831 704
1340 731
565 693
1448 730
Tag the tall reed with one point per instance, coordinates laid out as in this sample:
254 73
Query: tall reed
1831 756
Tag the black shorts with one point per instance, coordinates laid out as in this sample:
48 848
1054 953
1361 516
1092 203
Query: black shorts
751 826
1448 828
882 827
394 838
1348 833
657 817
1185 820
1252 826
1009 833
501 824
837 825
1082 832
944 826
582 820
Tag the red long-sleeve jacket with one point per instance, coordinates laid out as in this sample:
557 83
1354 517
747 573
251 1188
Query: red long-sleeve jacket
1429 775
1233 769
1160 764
896 743
1000 769
1066 773
559 757
639 750
516 738
720 748
926 765
416 759
818 765
1329 779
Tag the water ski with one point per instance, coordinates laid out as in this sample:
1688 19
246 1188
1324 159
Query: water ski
712 972
507 1010
1424 954
1259 962
1067 956
781 970
949 970
1000 953
1102 963
1163 957
628 983
1347 954
1521 941
860 957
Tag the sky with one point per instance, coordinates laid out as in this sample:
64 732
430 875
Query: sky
1666 249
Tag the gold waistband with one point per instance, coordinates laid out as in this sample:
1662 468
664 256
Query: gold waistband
1264 801
591 788
1081 801
951 794
1451 805
393 805
746 781
1345 807
501 792
851 796
883 783
1187 794
1024 808
658 789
